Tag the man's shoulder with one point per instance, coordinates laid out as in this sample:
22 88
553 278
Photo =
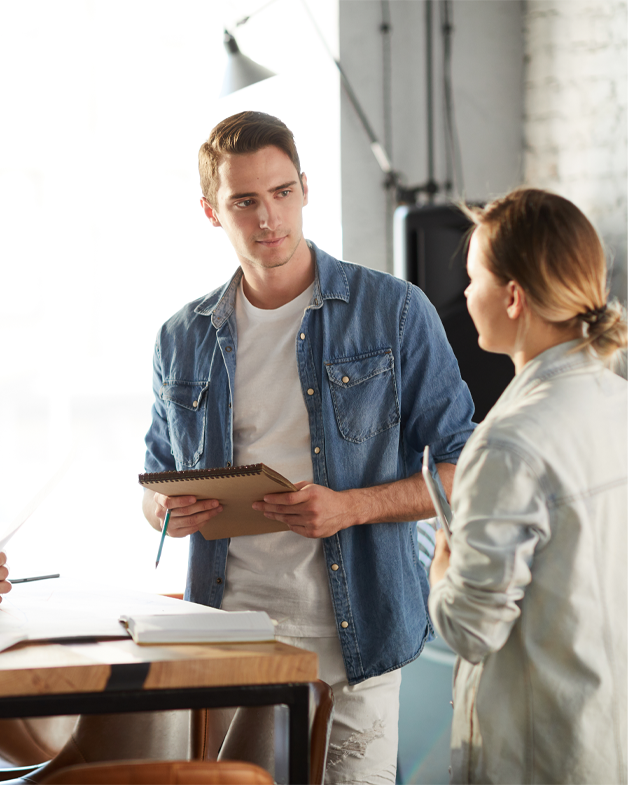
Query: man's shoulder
194 314
335 273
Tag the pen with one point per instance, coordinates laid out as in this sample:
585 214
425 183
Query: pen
34 578
163 535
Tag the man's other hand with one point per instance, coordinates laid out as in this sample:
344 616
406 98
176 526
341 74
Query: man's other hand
5 586
311 511
187 515
440 562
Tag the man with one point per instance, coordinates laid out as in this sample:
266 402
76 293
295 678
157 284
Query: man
336 376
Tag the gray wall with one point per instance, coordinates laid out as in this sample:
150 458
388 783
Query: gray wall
488 99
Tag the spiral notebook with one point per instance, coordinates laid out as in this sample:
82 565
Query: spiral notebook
211 626
236 488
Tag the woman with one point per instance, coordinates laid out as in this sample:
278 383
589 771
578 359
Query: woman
532 595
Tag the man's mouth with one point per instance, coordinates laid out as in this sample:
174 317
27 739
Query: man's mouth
272 242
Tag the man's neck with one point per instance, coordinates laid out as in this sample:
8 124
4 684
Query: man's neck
270 288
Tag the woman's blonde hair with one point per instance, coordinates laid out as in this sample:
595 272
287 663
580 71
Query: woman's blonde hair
549 247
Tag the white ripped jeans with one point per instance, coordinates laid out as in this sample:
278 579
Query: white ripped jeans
365 732
364 735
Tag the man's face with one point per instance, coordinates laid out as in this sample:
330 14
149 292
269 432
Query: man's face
259 204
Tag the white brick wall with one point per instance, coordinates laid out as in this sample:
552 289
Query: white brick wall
575 112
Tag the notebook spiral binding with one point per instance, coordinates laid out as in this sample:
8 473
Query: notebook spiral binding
202 474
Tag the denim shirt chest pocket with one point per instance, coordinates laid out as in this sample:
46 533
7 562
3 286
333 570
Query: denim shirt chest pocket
186 403
364 394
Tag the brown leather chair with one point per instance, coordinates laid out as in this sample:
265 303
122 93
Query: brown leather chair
165 772
33 740
321 716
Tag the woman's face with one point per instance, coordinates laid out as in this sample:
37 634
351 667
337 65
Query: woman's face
487 301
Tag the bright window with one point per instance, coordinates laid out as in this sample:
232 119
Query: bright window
105 104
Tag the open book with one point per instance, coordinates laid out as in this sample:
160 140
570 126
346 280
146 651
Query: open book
235 488
214 626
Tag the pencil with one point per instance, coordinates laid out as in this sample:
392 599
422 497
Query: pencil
163 536
34 578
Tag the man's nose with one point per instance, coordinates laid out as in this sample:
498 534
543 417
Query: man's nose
269 216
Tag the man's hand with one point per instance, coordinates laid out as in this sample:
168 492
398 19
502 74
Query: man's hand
312 510
187 515
440 562
5 586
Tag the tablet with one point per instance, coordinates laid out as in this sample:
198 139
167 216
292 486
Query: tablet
439 500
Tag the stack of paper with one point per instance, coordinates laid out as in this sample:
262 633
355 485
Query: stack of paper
210 627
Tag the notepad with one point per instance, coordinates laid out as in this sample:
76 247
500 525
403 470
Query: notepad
212 627
236 488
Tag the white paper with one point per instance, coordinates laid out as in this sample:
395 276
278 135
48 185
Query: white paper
66 609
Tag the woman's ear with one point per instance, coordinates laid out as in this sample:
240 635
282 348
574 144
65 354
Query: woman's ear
516 300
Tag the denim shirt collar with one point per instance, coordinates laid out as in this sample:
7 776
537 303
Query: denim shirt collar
556 360
330 283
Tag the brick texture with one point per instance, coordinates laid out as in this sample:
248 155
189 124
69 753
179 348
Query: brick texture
575 138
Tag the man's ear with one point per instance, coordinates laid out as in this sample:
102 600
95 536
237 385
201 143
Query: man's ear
516 300
305 188
210 212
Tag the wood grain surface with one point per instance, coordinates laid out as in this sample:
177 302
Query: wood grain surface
54 668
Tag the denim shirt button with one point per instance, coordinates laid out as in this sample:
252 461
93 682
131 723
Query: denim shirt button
317 450
334 567
302 336
195 404
344 624
310 391
345 379
218 580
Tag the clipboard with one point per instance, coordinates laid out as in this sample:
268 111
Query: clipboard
439 500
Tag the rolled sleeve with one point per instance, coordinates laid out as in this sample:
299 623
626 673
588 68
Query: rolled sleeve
437 407
500 516
159 457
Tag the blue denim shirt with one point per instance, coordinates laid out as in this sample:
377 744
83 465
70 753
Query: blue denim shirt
403 392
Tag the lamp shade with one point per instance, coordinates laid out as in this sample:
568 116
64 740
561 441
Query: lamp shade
241 71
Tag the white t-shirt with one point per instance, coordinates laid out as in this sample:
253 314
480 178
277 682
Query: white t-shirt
281 573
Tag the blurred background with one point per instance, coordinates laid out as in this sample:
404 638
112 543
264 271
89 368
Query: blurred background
102 238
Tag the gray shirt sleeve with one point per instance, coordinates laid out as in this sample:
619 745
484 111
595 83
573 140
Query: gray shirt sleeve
500 519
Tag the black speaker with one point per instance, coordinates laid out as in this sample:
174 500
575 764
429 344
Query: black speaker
430 251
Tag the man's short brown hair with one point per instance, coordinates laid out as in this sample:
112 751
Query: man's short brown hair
245 132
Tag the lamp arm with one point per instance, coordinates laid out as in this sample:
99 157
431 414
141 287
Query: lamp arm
376 148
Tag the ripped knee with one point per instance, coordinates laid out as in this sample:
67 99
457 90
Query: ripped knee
355 746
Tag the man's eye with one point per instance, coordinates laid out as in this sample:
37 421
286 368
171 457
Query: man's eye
285 193
244 203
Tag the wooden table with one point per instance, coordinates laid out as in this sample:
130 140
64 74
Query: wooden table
44 679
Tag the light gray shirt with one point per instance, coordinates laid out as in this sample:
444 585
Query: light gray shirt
534 600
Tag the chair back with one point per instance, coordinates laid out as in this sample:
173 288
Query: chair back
164 772
321 716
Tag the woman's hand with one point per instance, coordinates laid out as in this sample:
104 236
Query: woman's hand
5 586
440 562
